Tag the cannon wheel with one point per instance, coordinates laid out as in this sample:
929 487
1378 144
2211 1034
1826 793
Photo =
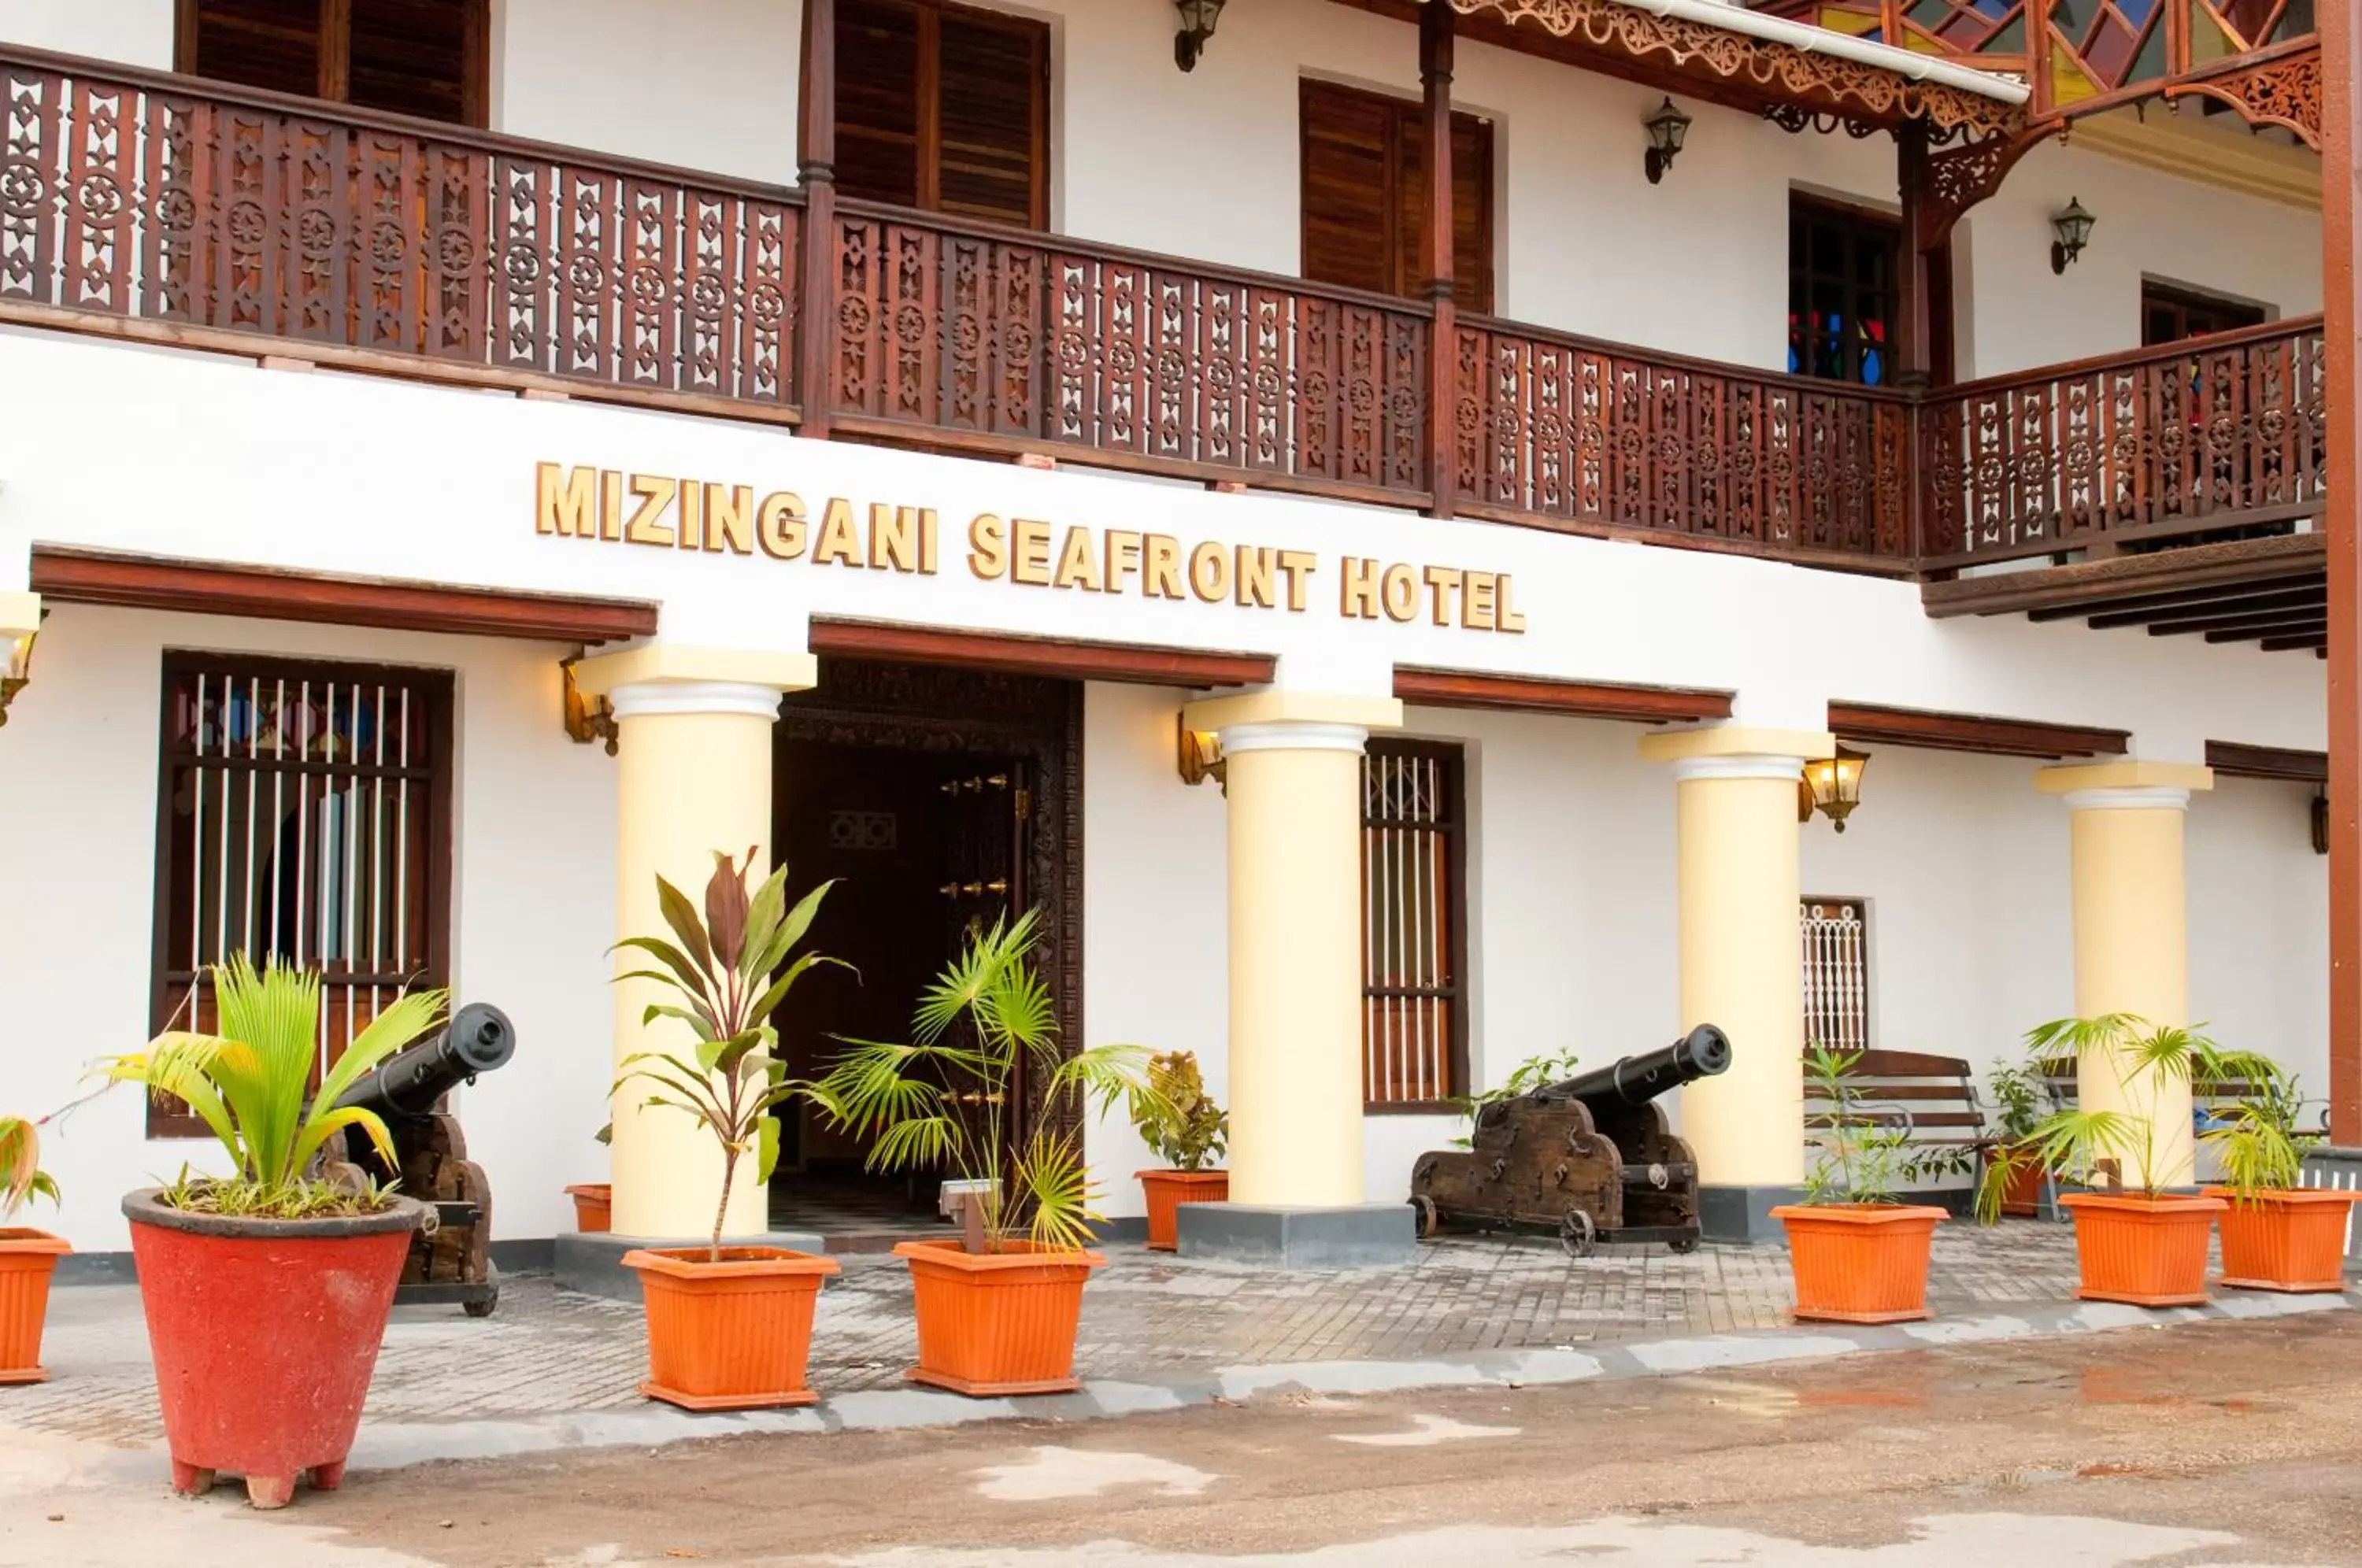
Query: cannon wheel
483 1306
1424 1209
1684 1244
1577 1235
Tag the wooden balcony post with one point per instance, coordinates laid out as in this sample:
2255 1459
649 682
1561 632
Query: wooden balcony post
2341 125
1435 51
816 169
1913 324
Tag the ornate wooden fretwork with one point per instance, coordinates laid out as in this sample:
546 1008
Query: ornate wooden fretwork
2282 90
1850 86
1961 176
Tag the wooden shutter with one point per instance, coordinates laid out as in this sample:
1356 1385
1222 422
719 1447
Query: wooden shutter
944 109
1365 193
1414 925
272 44
415 57
428 58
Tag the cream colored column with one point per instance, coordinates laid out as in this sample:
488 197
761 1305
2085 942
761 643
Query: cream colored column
1741 954
1293 764
694 779
2132 930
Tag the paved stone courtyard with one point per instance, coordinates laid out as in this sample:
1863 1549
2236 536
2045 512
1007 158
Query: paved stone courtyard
1147 1318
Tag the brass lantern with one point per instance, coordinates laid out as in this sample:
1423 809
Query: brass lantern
2072 225
1668 128
1198 20
1833 786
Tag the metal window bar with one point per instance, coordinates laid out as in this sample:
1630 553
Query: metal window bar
1409 988
1837 973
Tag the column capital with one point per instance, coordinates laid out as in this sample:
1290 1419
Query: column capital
669 678
1294 721
1738 751
2124 786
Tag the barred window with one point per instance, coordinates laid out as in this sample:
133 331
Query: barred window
303 814
1414 1023
1837 973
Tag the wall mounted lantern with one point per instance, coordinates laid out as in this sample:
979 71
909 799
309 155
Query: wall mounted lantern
1198 20
587 718
1200 756
1668 128
1832 786
20 626
2321 825
2072 225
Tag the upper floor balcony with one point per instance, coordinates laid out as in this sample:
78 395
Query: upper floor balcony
171 208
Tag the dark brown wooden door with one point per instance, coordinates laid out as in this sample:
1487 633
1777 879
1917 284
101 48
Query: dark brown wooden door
1365 193
943 108
987 815
428 58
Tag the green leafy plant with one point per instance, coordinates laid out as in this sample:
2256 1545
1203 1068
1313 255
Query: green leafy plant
2017 1092
1863 1153
1177 1118
1533 1072
942 1100
729 970
21 1177
2118 1149
2258 1143
251 1085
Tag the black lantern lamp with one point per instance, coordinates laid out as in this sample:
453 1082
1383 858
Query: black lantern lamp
1667 128
1832 786
2072 225
1198 20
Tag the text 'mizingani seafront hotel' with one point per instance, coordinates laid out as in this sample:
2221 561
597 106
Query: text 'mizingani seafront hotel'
1400 530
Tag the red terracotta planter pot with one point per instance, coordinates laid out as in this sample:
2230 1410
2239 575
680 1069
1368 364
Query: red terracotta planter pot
1167 1190
734 1334
2147 1252
27 1258
2022 1196
594 1205
2290 1240
997 1323
1860 1262
266 1334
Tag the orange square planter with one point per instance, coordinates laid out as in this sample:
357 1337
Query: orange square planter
27 1258
2292 1240
731 1335
997 1323
594 1206
1167 1190
1860 1262
2145 1252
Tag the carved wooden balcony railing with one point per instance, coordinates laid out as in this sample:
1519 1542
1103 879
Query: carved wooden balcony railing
984 335
2211 434
218 211
1596 434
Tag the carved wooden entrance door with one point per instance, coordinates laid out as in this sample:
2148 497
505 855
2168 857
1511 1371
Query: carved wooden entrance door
987 846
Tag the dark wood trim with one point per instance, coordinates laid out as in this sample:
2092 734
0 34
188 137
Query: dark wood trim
1873 722
2234 759
2093 583
63 575
1572 699
816 334
1435 67
890 642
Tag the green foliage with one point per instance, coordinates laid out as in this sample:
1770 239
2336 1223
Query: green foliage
251 1084
21 1177
1177 1118
1862 1155
2258 1147
1533 1072
942 1100
2118 1148
2017 1090
728 969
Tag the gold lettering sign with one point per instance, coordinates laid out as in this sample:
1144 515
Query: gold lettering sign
713 517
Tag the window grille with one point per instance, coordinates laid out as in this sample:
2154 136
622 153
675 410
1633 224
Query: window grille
1413 1024
1837 973
305 815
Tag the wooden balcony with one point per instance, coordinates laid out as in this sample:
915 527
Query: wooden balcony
160 208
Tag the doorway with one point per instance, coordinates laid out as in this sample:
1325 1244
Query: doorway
937 799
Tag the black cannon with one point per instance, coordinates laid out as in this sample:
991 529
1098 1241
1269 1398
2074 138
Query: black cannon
453 1261
1587 1160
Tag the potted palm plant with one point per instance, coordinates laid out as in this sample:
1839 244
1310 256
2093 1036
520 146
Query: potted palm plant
27 1257
1857 1252
2017 1093
1180 1120
2276 1234
729 1328
998 1307
267 1290
2135 1241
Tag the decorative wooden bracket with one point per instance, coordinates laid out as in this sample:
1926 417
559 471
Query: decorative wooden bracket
1961 176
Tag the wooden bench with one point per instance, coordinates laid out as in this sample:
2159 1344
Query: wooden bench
1931 1099
2212 1100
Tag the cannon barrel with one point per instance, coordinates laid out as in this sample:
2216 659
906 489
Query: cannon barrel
409 1082
1636 1080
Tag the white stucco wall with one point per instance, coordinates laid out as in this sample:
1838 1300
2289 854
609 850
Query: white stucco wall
135 32
532 895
